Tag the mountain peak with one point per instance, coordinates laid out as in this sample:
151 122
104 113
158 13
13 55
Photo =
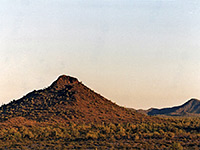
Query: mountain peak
63 81
193 100
67 78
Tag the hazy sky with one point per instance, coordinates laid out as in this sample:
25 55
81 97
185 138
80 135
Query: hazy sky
137 53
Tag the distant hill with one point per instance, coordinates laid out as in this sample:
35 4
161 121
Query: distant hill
67 100
190 108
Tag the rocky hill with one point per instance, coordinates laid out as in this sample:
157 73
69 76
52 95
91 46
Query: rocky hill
68 100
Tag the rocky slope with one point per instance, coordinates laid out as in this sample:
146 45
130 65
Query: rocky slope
68 100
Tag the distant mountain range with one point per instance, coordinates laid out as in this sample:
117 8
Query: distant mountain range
188 109
68 100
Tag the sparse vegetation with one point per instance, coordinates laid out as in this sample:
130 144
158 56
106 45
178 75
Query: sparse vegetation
68 115
171 134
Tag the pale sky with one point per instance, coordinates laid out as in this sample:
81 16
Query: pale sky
137 53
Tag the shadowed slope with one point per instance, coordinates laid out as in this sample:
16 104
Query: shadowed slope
190 108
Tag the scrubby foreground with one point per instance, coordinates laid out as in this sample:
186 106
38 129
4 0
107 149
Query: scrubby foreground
170 134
